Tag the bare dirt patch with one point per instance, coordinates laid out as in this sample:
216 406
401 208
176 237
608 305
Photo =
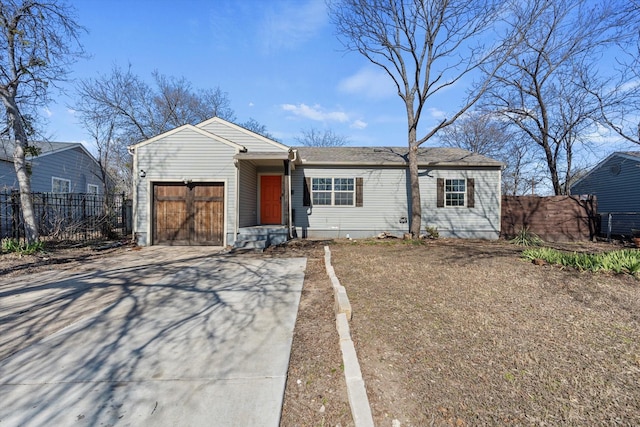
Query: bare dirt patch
315 393
457 332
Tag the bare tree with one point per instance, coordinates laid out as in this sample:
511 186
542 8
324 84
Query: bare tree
619 96
486 134
255 126
120 109
321 138
38 42
541 90
426 47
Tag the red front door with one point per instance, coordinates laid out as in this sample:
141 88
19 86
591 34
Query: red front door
270 199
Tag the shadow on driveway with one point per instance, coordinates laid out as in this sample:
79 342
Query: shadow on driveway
194 339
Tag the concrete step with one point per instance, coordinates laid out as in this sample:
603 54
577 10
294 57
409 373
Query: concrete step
251 244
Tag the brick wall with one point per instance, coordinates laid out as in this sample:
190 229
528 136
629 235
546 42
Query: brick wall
553 218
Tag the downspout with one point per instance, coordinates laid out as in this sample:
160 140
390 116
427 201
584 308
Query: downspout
289 191
237 201
135 176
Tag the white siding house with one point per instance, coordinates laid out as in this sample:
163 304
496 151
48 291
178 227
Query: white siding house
217 183
473 211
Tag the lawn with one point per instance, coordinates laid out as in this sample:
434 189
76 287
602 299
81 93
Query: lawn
458 332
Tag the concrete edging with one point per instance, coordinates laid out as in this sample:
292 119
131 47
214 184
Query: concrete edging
356 392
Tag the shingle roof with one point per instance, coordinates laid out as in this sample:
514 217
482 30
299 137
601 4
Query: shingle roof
428 156
6 147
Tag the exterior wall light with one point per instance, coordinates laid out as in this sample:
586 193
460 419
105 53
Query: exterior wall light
142 173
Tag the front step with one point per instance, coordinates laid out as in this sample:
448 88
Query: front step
260 237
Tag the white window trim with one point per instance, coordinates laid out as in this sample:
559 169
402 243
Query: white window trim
89 186
463 192
54 178
333 192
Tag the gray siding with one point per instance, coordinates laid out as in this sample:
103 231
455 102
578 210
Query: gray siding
615 192
252 143
72 164
248 194
185 155
8 179
615 183
385 202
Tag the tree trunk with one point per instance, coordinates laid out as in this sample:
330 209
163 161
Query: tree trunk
416 206
20 164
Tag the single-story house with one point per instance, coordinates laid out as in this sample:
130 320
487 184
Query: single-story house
60 167
220 184
615 182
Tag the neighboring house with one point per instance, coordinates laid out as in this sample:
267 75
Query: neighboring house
615 182
60 167
220 184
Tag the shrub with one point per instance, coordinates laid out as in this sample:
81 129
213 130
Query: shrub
526 238
15 246
432 232
620 261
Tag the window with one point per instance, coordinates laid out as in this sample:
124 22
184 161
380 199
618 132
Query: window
333 191
454 191
92 189
60 185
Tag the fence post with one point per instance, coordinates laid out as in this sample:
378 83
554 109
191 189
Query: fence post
15 214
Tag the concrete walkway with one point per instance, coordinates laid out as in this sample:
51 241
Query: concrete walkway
190 340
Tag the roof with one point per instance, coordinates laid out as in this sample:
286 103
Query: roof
378 156
46 148
629 155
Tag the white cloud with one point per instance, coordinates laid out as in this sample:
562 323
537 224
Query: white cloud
437 114
358 124
291 24
47 112
369 82
316 113
251 104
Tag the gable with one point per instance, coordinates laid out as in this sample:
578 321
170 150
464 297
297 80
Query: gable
251 140
183 133
608 169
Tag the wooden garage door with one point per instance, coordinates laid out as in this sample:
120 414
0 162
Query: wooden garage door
188 214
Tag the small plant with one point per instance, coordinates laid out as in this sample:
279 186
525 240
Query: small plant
526 238
622 261
23 248
432 232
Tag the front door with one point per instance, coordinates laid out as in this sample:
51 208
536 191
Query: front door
270 199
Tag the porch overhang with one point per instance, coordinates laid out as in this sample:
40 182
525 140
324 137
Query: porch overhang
264 158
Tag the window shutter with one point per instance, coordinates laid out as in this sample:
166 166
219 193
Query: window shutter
471 193
440 197
359 192
306 194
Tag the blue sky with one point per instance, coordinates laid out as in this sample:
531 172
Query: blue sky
279 61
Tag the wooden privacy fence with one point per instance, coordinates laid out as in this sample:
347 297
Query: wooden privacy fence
553 218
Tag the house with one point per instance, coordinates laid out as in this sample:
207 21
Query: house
615 182
60 167
217 183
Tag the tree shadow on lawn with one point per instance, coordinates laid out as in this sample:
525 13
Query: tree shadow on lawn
188 319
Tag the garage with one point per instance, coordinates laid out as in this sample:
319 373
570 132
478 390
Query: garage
188 214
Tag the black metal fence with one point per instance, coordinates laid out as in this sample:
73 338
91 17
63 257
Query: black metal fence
68 216
619 224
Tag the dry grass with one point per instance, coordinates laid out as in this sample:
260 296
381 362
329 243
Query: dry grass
466 333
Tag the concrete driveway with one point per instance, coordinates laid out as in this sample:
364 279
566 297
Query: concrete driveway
189 338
